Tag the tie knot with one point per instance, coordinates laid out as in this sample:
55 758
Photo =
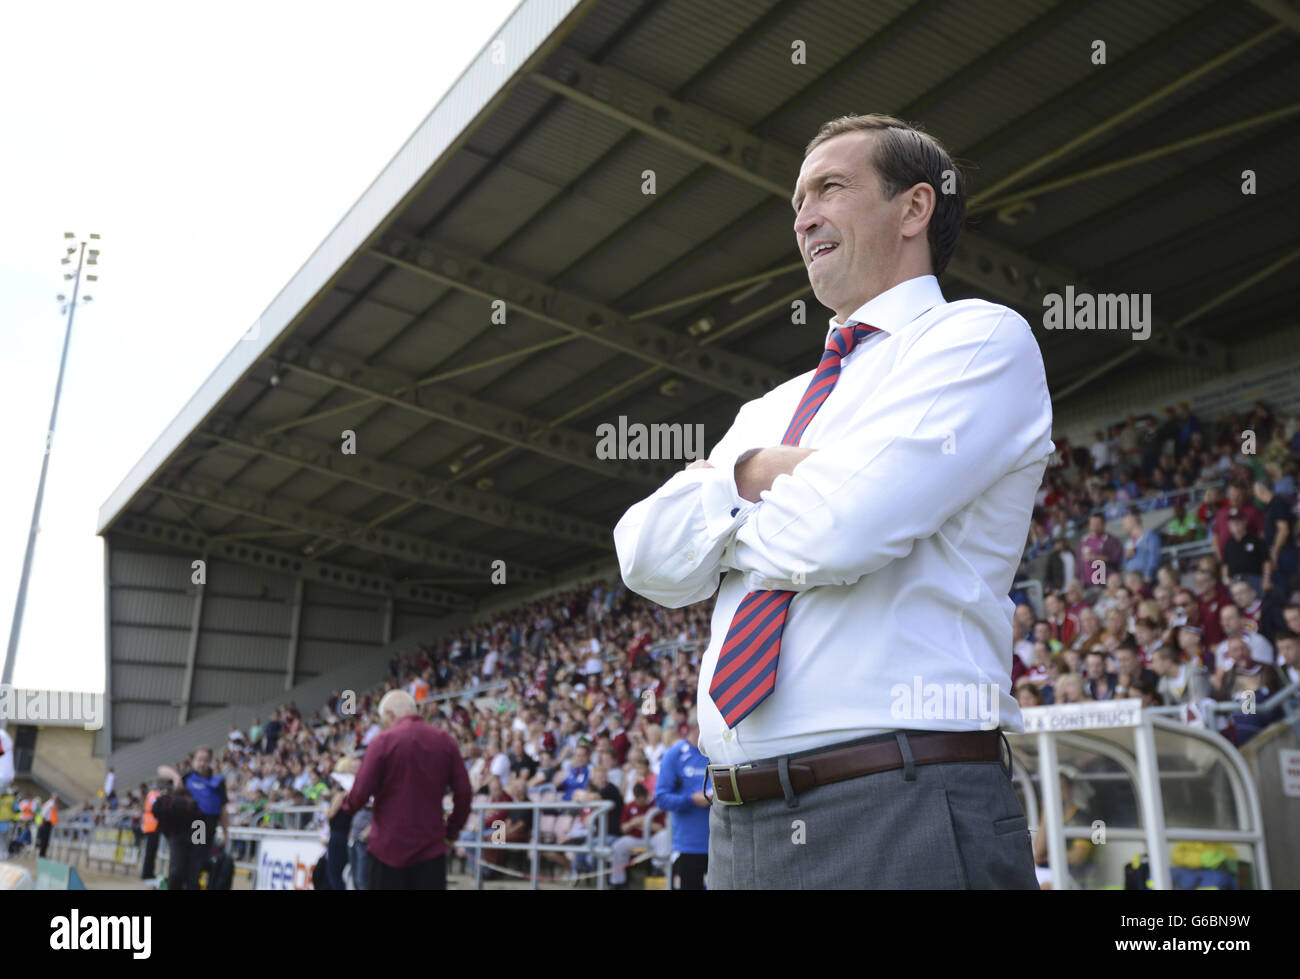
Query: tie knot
846 337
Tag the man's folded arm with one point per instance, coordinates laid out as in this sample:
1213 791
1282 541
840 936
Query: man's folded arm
670 544
962 408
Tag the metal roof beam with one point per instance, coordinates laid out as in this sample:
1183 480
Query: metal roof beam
409 484
1001 272
347 532
178 538
567 445
1280 11
567 311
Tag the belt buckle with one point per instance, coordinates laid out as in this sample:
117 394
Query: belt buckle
730 771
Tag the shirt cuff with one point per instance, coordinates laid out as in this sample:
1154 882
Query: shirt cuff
724 509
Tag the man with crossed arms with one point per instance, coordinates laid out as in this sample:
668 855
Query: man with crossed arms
866 520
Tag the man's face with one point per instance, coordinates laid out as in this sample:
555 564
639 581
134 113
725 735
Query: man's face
1025 616
1230 619
838 199
1289 651
1204 582
1292 618
581 756
1042 632
1053 604
203 762
1096 523
1095 664
1243 596
1126 661
1238 651
1123 599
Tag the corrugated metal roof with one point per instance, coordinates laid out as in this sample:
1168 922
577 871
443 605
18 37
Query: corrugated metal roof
538 172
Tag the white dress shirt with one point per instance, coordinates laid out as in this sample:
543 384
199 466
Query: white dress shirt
902 532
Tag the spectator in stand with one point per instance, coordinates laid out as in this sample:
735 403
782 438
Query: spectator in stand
1141 547
271 735
1098 545
1253 684
1100 451
1211 596
1183 526
1116 631
1138 585
1148 638
632 835
1075 603
1064 625
1021 643
1061 570
1288 657
1068 689
1129 672
1238 502
1098 684
1180 683
1244 553
1090 630
680 789
1233 626
1027 695
410 763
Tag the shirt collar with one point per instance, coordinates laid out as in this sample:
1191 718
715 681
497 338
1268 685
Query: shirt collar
898 307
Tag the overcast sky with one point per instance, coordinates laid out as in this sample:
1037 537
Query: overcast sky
213 148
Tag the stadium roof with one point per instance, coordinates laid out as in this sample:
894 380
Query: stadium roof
524 190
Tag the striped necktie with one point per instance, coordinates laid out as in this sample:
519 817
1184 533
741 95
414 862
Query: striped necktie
746 670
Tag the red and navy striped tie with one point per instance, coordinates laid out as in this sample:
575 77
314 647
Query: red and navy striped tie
746 669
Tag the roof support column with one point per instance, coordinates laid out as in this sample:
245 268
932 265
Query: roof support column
191 654
295 630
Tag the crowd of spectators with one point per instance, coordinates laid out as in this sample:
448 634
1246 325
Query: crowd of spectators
579 695
575 697
1122 619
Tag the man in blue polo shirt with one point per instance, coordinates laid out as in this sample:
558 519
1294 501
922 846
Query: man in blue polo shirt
680 789
208 789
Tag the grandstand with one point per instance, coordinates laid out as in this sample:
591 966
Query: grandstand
592 228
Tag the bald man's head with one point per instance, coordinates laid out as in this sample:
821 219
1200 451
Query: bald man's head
395 705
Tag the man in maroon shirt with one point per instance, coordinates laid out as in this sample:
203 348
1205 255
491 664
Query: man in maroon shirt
1097 545
1238 503
408 768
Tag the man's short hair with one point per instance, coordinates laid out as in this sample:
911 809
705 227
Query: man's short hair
399 703
902 157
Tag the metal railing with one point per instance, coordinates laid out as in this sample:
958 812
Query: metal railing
595 846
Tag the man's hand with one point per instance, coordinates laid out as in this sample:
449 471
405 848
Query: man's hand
700 799
757 472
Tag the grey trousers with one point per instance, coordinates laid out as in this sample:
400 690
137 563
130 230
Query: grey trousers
955 825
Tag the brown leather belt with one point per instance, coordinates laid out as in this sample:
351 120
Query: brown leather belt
735 785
